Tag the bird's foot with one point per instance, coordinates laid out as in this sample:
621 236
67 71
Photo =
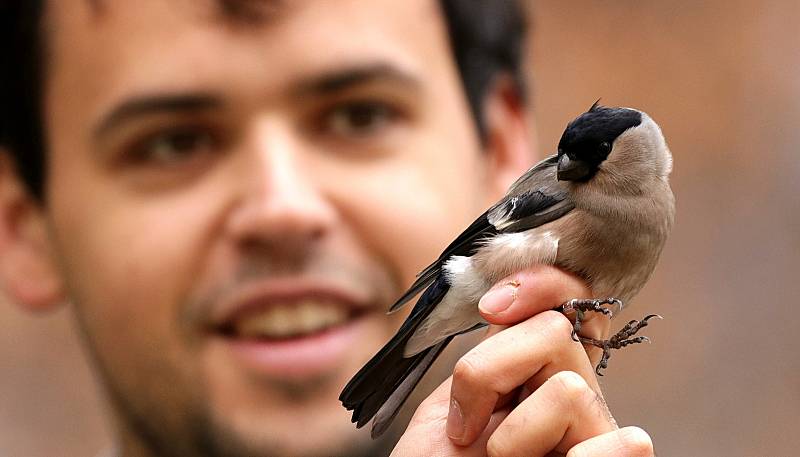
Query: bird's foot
623 338
582 305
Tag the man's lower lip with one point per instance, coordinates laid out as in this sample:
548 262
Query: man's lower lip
300 357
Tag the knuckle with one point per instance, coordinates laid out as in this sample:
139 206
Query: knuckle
467 370
635 442
571 384
478 372
563 284
496 447
580 451
557 323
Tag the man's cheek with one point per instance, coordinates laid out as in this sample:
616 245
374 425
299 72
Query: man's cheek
402 211
127 269
127 299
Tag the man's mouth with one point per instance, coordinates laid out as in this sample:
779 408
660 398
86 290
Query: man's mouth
291 331
283 321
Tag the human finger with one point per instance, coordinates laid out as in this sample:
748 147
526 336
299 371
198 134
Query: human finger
625 442
523 355
563 412
537 289
425 435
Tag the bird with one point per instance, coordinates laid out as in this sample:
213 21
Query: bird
600 208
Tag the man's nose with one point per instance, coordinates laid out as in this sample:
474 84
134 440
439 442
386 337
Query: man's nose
281 204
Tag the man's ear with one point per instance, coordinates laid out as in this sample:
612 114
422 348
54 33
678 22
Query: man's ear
28 273
509 141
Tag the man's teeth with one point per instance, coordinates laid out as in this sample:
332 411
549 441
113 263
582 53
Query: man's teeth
282 321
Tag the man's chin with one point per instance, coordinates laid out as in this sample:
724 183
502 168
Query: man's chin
301 434
277 398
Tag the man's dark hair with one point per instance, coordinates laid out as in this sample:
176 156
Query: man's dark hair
21 128
486 37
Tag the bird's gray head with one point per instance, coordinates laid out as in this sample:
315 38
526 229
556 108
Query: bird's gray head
621 144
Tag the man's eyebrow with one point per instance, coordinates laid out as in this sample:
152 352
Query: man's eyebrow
330 82
341 79
144 105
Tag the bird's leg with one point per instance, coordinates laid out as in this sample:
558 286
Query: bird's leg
582 305
620 340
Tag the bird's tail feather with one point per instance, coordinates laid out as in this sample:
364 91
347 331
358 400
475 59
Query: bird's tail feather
391 406
383 385
390 377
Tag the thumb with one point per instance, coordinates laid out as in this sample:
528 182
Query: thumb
426 434
529 292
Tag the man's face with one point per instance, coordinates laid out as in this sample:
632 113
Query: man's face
235 200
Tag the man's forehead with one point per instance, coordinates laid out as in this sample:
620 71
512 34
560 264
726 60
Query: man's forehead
121 48
119 24
251 11
238 12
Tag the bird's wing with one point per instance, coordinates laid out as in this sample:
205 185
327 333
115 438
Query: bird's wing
538 173
534 199
530 210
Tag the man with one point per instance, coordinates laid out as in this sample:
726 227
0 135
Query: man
231 192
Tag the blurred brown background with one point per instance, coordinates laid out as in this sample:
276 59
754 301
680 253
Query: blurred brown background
721 378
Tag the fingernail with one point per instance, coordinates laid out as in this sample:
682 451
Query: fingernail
455 422
499 299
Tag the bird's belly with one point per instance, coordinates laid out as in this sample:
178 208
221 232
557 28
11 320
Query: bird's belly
511 252
615 260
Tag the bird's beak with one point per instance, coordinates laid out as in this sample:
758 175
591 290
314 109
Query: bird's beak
573 170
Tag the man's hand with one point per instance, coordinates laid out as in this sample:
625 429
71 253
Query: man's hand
528 389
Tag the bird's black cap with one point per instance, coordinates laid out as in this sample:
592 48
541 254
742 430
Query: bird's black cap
588 140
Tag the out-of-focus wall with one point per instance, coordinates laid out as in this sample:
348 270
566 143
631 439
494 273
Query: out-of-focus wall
723 80
48 402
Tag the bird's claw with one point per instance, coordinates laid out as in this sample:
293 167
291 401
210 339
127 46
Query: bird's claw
624 337
582 305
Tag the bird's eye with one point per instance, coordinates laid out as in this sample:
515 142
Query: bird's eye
605 148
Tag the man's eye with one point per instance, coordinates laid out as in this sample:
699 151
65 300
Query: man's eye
359 119
175 146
